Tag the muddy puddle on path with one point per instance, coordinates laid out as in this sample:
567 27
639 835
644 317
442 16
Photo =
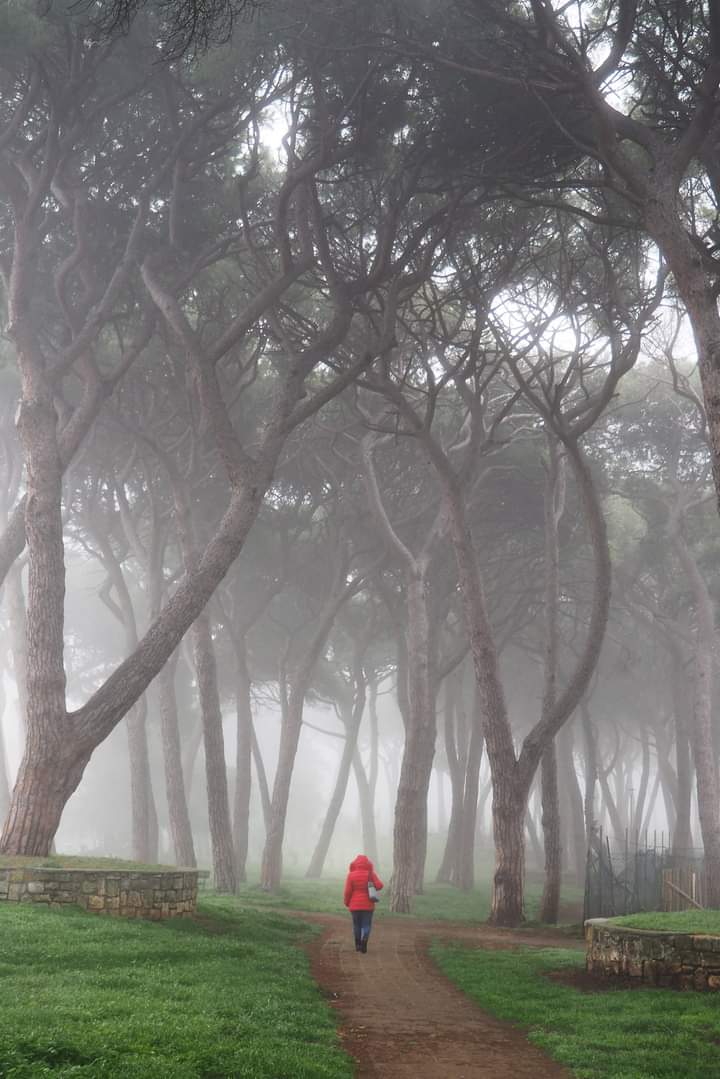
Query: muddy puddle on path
400 1018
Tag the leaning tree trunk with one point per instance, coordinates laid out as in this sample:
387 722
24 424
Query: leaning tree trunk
179 817
550 904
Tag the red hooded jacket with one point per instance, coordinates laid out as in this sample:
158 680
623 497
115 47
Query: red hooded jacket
356 886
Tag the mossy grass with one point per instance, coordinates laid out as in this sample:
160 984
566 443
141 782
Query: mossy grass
78 861
618 1034
229 994
684 921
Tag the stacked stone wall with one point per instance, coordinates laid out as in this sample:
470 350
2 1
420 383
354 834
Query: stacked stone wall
679 960
134 894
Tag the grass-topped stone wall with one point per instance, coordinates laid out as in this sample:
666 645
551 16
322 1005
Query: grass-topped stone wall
130 891
661 950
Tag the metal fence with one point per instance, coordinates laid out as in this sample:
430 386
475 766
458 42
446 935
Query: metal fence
628 876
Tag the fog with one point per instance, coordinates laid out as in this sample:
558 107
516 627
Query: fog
358 456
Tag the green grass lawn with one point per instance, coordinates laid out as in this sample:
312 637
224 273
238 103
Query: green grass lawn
684 921
76 861
441 902
617 1034
98 997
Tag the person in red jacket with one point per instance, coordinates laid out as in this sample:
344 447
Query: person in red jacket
357 898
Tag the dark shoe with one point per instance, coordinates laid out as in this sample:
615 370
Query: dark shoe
358 946
363 947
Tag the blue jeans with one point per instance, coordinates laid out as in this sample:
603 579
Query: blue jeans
362 923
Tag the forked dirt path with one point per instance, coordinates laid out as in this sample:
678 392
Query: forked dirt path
402 1019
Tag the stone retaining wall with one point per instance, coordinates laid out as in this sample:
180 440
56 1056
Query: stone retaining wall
681 960
132 894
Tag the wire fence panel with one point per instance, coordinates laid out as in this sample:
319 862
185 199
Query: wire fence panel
628 877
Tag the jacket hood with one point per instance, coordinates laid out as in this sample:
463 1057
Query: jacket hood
361 862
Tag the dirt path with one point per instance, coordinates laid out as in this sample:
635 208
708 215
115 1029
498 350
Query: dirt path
402 1019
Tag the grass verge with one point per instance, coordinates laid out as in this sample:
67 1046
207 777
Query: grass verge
684 921
441 902
230 995
618 1034
77 861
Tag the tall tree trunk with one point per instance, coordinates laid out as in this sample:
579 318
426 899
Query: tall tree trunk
550 905
706 770
351 723
639 808
143 812
191 752
340 592
466 862
536 847
243 760
221 840
554 509
367 809
410 827
178 815
574 800
52 763
442 816
591 774
455 768
18 636
4 784
261 776
682 835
